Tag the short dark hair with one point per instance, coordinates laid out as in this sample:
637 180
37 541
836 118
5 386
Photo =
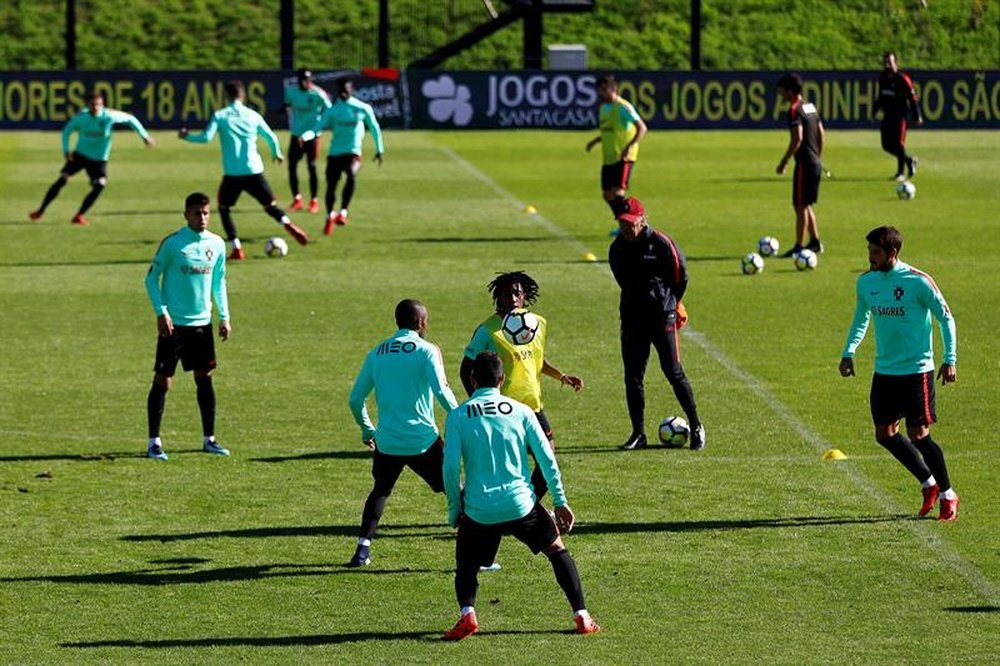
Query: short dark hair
886 237
342 83
504 280
888 53
607 80
304 74
93 94
487 370
409 312
234 89
791 82
195 200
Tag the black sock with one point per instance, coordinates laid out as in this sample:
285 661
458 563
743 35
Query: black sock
313 181
934 458
568 578
156 403
206 403
52 194
903 450
466 584
275 212
91 197
227 222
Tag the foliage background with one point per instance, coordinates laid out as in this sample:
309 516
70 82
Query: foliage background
619 34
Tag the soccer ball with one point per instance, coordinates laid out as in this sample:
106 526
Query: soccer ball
276 247
519 327
806 260
674 432
768 246
906 190
752 263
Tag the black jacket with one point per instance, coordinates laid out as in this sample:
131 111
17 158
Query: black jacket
652 274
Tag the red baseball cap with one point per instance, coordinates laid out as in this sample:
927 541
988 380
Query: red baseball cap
631 210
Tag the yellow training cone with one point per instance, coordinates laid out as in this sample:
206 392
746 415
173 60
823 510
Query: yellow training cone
833 454
530 210
589 256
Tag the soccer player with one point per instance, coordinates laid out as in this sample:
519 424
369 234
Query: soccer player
187 274
652 273
242 167
490 435
523 365
347 119
621 131
901 301
897 99
407 375
306 102
805 143
94 127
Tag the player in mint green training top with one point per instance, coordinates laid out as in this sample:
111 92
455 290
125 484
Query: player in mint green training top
305 102
407 375
901 300
94 127
238 128
489 436
347 119
187 274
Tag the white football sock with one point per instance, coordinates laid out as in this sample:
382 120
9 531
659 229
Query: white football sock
929 482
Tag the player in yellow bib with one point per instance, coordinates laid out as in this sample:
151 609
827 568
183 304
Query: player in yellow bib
523 365
621 131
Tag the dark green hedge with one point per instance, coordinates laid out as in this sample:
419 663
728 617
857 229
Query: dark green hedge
620 34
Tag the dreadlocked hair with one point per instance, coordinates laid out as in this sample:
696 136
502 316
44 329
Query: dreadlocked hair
504 280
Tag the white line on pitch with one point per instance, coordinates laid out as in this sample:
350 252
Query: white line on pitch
945 551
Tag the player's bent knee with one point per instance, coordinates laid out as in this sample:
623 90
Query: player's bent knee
555 548
164 381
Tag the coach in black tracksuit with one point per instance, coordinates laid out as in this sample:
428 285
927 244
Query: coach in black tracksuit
897 100
652 274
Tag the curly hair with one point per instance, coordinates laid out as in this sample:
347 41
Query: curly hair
504 280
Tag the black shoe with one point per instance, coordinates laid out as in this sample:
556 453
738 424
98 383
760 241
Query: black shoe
911 166
634 442
362 557
815 246
791 253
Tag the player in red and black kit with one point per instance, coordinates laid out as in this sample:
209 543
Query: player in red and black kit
805 143
897 99
652 274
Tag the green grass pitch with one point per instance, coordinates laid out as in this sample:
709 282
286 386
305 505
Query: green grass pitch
753 550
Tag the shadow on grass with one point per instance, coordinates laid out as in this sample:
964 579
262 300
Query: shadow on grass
721 525
310 639
115 262
92 457
319 455
973 609
384 531
187 574
496 239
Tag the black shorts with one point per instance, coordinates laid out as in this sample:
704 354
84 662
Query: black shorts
477 544
428 466
805 183
338 164
256 185
544 422
309 150
193 346
893 133
903 396
96 169
616 176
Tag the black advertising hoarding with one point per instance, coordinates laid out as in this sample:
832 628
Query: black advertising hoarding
503 100
164 100
686 100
